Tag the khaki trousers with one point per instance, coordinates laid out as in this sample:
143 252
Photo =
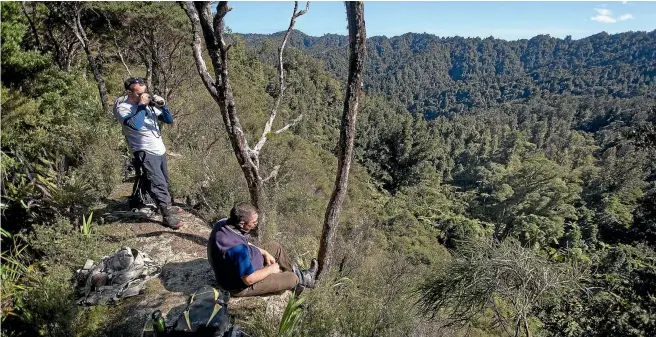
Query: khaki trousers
274 283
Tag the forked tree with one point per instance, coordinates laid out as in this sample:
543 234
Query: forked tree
212 28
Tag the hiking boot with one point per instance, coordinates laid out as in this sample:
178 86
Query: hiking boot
306 278
169 218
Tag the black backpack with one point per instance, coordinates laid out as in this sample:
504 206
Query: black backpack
140 196
206 315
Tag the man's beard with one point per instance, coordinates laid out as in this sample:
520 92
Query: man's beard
242 230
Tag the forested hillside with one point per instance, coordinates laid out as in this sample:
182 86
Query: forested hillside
502 188
550 141
437 76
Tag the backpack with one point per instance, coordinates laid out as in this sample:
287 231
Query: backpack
206 315
140 196
115 277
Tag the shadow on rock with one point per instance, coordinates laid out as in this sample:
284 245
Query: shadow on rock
201 240
186 277
128 321
119 211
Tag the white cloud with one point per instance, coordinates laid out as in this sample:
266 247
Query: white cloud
603 11
603 18
605 15
624 2
625 17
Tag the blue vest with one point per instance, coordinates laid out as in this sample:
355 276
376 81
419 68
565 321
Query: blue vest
231 256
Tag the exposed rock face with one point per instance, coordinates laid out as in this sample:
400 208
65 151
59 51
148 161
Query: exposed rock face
183 255
272 306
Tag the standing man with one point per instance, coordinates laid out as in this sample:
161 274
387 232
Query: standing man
138 112
244 269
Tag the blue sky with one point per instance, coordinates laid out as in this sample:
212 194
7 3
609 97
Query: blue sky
506 20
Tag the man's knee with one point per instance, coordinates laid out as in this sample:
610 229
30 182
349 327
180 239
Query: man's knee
157 179
272 284
271 246
285 281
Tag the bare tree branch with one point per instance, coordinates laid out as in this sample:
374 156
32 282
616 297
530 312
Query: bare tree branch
201 67
289 125
120 56
273 174
281 73
209 146
118 49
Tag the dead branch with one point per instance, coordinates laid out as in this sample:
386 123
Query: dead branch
118 49
201 67
281 73
213 30
284 128
273 174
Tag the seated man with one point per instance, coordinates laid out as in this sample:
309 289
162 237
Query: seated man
244 269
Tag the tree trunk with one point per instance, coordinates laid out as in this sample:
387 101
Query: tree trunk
526 329
357 54
93 63
518 330
72 18
97 75
32 26
212 28
200 14
156 66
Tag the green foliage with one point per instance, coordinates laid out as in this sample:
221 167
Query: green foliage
102 162
18 64
47 128
291 316
365 305
395 147
53 307
13 274
416 240
545 141
484 274
52 304
85 228
617 300
435 76
40 297
63 243
262 325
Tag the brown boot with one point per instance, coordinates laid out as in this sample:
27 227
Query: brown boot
170 220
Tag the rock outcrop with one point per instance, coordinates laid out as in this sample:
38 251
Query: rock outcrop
183 255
